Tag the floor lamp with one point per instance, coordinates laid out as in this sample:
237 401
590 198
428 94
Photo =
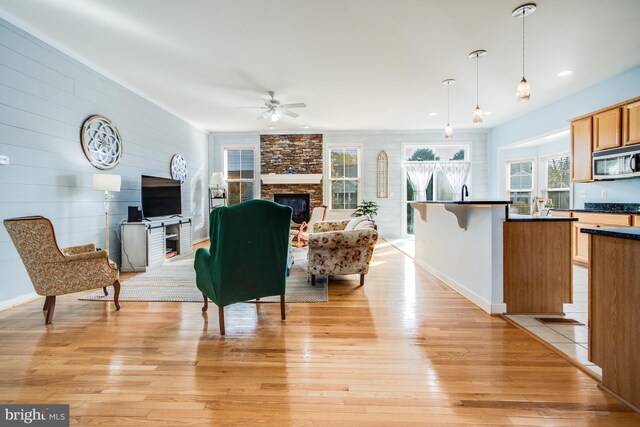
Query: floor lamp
106 183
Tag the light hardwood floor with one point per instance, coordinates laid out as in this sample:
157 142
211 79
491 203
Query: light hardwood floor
402 349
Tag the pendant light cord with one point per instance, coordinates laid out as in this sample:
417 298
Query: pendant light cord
448 102
524 17
477 80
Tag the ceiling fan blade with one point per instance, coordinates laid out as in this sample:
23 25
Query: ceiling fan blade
265 115
252 107
298 105
290 113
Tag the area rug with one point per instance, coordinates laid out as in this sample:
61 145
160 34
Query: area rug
176 282
558 320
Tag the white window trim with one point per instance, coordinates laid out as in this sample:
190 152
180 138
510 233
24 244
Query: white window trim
534 175
326 176
403 148
256 167
543 161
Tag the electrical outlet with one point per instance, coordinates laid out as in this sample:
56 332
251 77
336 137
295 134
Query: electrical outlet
603 194
583 194
4 160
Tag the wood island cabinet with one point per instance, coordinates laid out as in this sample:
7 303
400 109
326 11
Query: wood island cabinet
581 150
631 123
606 129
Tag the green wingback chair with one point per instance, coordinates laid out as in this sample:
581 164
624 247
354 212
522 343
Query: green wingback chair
248 255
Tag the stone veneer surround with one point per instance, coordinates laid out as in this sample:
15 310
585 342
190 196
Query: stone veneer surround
301 152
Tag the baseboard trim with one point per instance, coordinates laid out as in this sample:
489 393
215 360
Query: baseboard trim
481 302
195 242
13 302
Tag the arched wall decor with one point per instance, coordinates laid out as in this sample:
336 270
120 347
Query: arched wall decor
382 175
101 142
178 168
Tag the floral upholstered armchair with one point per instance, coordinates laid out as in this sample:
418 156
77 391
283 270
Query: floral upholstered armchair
58 272
341 247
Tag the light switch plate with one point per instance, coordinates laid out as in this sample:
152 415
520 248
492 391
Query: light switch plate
4 160
603 194
583 194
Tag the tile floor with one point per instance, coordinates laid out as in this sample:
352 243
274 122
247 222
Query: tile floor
572 340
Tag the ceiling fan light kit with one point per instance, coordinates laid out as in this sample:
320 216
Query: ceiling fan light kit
274 110
523 91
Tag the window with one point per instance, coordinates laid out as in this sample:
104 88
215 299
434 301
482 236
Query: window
431 153
239 168
344 177
559 181
520 186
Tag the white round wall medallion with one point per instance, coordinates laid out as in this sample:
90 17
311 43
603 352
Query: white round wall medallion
101 142
178 168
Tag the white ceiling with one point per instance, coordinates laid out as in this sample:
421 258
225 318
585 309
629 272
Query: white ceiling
357 64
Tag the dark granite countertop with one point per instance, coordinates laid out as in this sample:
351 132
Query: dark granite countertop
468 202
632 233
614 208
523 218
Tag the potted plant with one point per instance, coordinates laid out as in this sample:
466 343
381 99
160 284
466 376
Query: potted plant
368 209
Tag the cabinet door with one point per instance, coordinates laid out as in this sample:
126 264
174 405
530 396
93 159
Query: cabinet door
580 243
185 239
631 123
606 130
156 245
581 150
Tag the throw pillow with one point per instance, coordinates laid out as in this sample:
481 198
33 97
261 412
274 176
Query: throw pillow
355 221
363 225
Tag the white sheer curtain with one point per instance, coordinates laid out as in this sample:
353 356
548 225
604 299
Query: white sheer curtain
457 174
420 174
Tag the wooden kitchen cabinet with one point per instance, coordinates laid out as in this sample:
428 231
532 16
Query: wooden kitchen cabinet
631 123
581 150
606 129
580 241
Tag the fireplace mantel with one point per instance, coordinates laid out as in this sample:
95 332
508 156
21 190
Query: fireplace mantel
291 178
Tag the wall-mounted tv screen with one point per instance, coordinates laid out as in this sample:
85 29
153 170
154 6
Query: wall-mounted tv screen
160 197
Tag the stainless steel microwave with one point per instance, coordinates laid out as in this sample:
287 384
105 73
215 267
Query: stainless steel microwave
616 163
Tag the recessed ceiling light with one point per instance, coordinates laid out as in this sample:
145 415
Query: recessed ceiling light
488 113
305 127
564 73
433 114
272 127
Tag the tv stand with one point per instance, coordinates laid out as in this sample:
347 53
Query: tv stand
145 245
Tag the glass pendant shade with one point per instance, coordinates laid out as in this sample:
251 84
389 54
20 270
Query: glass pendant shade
477 115
523 92
448 131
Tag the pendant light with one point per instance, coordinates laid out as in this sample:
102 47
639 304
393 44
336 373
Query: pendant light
523 92
477 113
448 130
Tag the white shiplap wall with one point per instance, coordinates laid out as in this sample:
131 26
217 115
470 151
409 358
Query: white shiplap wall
45 96
391 209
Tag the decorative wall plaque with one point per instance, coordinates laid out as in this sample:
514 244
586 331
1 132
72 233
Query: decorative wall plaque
382 175
101 142
178 168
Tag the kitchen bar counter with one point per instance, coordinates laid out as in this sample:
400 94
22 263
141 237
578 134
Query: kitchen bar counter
612 208
614 324
515 217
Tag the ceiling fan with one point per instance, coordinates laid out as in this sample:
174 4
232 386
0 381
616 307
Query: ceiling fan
274 110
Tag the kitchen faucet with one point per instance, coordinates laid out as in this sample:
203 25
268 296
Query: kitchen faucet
465 191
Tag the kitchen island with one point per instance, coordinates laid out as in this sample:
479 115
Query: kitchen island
461 244
614 319
502 263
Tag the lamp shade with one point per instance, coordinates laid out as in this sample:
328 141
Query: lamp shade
217 179
105 182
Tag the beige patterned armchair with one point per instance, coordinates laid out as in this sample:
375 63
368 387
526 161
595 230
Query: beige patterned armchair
332 250
58 272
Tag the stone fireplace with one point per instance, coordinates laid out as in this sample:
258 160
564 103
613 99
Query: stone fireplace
302 153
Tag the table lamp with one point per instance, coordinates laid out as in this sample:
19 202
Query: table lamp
216 183
106 183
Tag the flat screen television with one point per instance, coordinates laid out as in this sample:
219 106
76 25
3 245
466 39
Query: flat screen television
160 197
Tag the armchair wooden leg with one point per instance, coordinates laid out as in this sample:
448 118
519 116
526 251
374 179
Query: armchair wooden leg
46 303
283 314
313 280
104 289
362 280
116 294
205 307
51 305
221 319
